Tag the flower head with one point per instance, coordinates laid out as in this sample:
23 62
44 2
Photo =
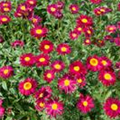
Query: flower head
74 8
4 19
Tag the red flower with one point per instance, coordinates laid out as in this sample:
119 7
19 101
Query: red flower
52 9
40 104
67 84
46 46
84 20
6 72
39 31
36 20
88 31
77 68
5 6
60 5
96 1
117 41
57 66
87 41
79 29
112 107
111 28
74 8
4 19
49 75
85 103
31 3
27 59
107 77
2 111
73 35
42 60
81 81
93 63
17 43
43 93
54 108
28 86
119 6
105 62
63 49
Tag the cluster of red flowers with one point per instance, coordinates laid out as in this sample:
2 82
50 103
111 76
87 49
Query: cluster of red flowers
75 77
56 9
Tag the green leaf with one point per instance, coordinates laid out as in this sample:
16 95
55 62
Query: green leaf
4 85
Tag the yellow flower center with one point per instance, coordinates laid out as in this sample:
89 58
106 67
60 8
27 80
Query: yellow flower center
63 49
6 9
57 66
85 103
111 28
73 8
87 41
27 59
34 20
94 62
23 8
66 82
53 9
47 47
39 31
31 2
54 106
102 10
84 20
49 75
41 95
79 80
42 104
42 59
77 68
4 19
27 86
5 4
89 32
107 76
74 35
104 62
6 71
114 107
79 29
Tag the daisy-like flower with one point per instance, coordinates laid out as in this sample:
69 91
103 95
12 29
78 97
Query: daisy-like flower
63 49
67 84
88 31
60 5
42 60
85 103
111 28
43 93
74 8
17 14
96 1
39 31
52 9
73 35
112 107
17 43
57 66
79 29
40 104
58 14
6 72
93 63
81 81
87 41
27 59
49 75
22 8
107 77
28 86
105 62
117 41
4 19
2 111
84 20
35 20
77 68
31 3
46 46
5 6
54 108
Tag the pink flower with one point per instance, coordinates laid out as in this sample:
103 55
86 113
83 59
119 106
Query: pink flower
73 35
117 41
4 19
74 8
2 111
111 28
28 86
54 108
17 43
96 1
85 104
40 104
112 107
